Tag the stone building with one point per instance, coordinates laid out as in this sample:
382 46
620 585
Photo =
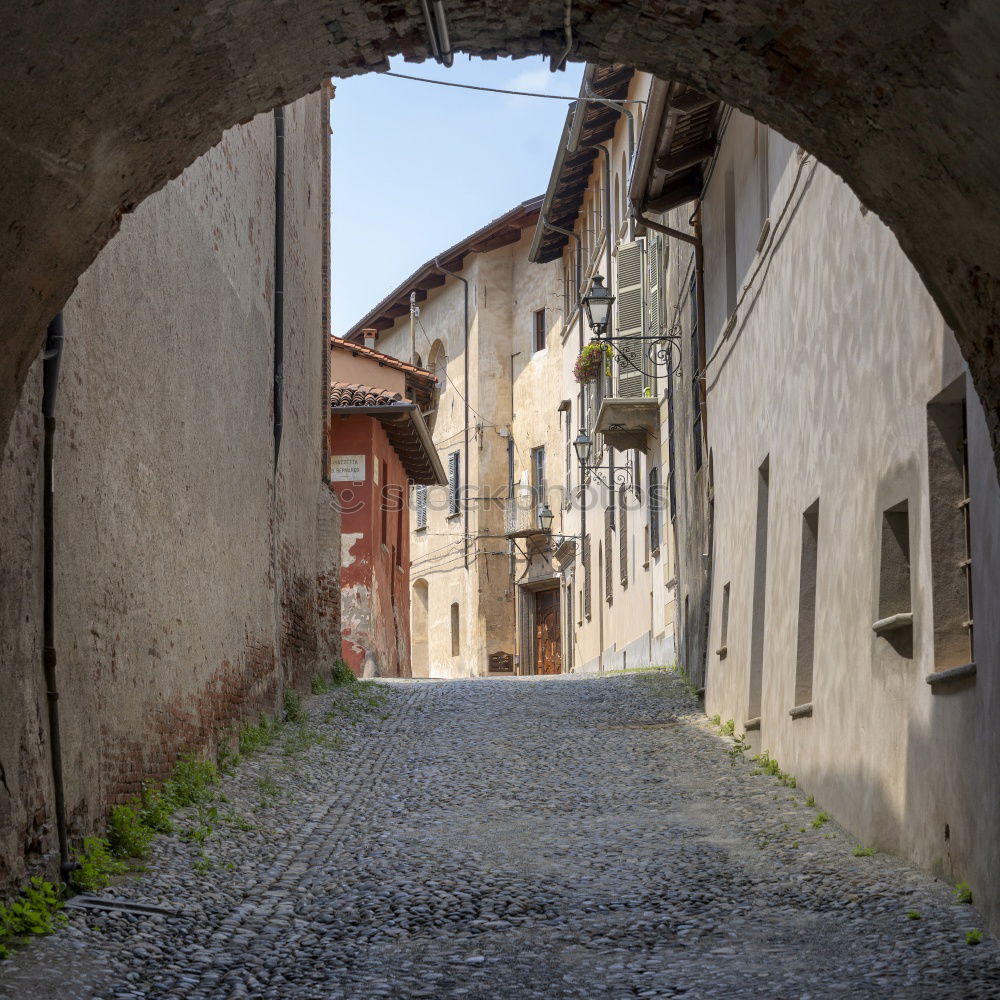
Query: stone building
470 301
195 546
848 490
379 447
494 589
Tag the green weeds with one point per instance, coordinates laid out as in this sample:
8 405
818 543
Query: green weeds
342 674
98 866
128 835
738 749
821 819
973 937
963 893
912 915
319 684
863 852
38 910
294 712
728 729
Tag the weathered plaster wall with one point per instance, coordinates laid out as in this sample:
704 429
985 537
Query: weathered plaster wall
181 571
375 607
893 759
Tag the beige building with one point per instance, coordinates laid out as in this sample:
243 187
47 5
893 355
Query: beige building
849 494
491 590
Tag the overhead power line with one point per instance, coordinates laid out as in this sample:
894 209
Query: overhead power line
513 93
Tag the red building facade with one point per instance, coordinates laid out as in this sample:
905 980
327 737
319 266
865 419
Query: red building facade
379 446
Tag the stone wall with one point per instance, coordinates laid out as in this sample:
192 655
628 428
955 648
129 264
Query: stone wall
189 570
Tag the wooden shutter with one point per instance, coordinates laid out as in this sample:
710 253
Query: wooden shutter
654 508
656 309
586 576
453 482
630 305
421 503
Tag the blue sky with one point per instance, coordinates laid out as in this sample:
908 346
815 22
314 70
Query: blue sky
415 167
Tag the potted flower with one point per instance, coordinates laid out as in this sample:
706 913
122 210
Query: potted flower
590 362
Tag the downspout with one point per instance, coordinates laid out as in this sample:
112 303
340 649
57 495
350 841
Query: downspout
699 284
579 266
279 276
52 355
465 390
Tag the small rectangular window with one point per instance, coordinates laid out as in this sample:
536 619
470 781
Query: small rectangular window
894 573
654 508
609 591
385 503
454 484
806 641
951 555
587 582
569 451
539 329
622 538
454 630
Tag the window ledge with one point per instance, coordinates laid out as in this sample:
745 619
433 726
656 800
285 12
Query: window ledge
893 623
454 517
765 231
803 711
964 672
752 724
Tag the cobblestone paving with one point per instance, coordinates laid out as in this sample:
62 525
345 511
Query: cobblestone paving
553 838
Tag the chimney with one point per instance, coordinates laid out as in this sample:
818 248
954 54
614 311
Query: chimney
370 334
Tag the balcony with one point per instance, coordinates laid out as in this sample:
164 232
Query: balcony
629 422
521 514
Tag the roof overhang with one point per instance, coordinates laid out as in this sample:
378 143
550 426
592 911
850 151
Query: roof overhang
588 124
678 139
407 432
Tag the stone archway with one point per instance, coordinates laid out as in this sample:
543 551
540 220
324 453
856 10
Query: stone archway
101 104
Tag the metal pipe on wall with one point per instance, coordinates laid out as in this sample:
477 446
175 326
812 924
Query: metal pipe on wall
465 391
279 276
52 356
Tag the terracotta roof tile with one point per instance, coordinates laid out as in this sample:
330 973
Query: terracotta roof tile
338 343
345 394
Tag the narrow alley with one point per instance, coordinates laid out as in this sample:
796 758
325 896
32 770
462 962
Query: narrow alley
554 837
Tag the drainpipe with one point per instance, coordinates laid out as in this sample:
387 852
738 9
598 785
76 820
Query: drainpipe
279 276
579 266
699 284
465 390
52 355
622 108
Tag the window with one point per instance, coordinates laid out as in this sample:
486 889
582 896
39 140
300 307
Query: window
894 571
385 503
951 562
623 537
454 630
454 484
695 375
654 508
609 591
759 589
438 362
586 577
569 450
420 500
399 535
672 463
806 642
538 320
538 483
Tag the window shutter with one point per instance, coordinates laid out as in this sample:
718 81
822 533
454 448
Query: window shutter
585 544
421 499
453 483
654 508
630 304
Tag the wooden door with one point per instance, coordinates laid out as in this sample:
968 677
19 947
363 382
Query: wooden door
548 643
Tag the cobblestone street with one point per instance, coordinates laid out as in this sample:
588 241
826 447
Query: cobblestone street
565 837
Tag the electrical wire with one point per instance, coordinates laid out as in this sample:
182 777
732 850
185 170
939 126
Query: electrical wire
449 378
513 93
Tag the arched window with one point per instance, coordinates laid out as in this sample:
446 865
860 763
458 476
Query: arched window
437 364
617 208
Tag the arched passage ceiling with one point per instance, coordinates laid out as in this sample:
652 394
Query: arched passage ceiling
101 103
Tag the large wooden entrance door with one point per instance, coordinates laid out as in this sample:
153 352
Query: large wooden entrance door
548 642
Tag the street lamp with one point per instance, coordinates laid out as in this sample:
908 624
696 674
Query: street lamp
583 446
545 518
597 302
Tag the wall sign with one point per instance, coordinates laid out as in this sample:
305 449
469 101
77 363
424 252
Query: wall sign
347 468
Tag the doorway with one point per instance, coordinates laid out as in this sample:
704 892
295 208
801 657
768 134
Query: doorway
548 633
